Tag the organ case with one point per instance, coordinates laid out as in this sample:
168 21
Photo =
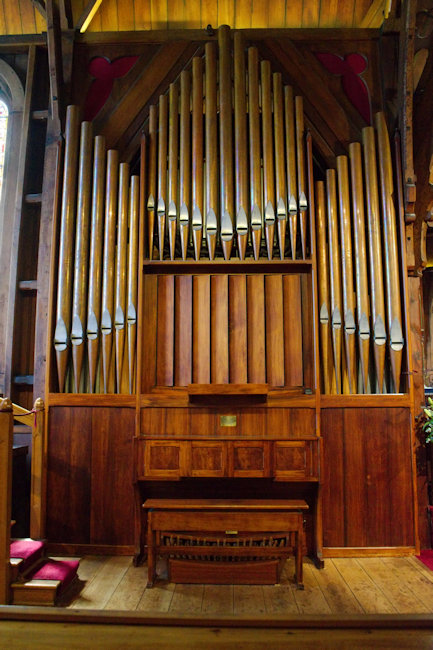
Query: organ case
265 294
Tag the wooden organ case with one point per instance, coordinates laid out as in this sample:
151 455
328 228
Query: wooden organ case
253 325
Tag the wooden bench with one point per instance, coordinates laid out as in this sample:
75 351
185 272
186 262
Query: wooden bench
229 517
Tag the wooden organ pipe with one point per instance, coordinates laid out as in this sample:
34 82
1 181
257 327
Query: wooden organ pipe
392 274
173 154
121 270
280 167
184 161
300 160
161 205
211 149
67 224
95 259
375 254
132 286
197 155
225 142
109 263
335 274
241 162
268 157
289 119
361 276
79 296
254 151
347 272
151 202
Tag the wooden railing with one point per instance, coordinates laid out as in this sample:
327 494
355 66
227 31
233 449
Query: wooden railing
36 420
6 443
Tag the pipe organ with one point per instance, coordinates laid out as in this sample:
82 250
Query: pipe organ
245 303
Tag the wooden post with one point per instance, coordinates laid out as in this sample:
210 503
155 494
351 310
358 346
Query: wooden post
6 440
38 478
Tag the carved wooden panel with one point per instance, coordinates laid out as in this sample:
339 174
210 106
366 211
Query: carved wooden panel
249 459
291 461
294 460
207 459
164 459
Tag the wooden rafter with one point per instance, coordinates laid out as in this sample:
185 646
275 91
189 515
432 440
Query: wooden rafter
377 8
122 127
66 20
326 115
87 15
54 59
405 103
39 5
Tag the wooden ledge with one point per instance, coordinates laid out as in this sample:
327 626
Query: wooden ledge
241 394
225 504
365 401
226 266
91 399
227 389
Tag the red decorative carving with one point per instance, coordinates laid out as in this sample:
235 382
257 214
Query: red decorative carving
349 68
105 72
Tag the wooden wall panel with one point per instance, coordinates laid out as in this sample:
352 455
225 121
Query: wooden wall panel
177 421
274 330
165 331
90 496
367 480
201 329
333 477
148 332
256 329
253 422
293 353
202 422
183 330
238 329
112 495
69 475
219 329
153 421
294 422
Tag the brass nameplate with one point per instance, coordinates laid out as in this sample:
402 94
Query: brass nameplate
228 420
232 532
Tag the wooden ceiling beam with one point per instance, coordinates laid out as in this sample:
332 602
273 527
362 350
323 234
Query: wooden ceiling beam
322 109
66 19
54 61
405 102
87 15
155 78
39 5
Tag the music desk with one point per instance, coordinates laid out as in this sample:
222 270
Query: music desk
227 517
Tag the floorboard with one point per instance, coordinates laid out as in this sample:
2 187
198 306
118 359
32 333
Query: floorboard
368 594
345 586
398 591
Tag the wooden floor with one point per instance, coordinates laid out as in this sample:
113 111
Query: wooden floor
345 586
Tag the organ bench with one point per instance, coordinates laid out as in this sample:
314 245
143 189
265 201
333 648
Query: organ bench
240 526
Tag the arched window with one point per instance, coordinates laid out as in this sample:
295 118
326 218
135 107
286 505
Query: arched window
4 115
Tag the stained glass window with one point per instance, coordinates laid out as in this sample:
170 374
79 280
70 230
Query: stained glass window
4 114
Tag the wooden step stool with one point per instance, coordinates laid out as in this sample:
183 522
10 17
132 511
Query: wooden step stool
227 517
